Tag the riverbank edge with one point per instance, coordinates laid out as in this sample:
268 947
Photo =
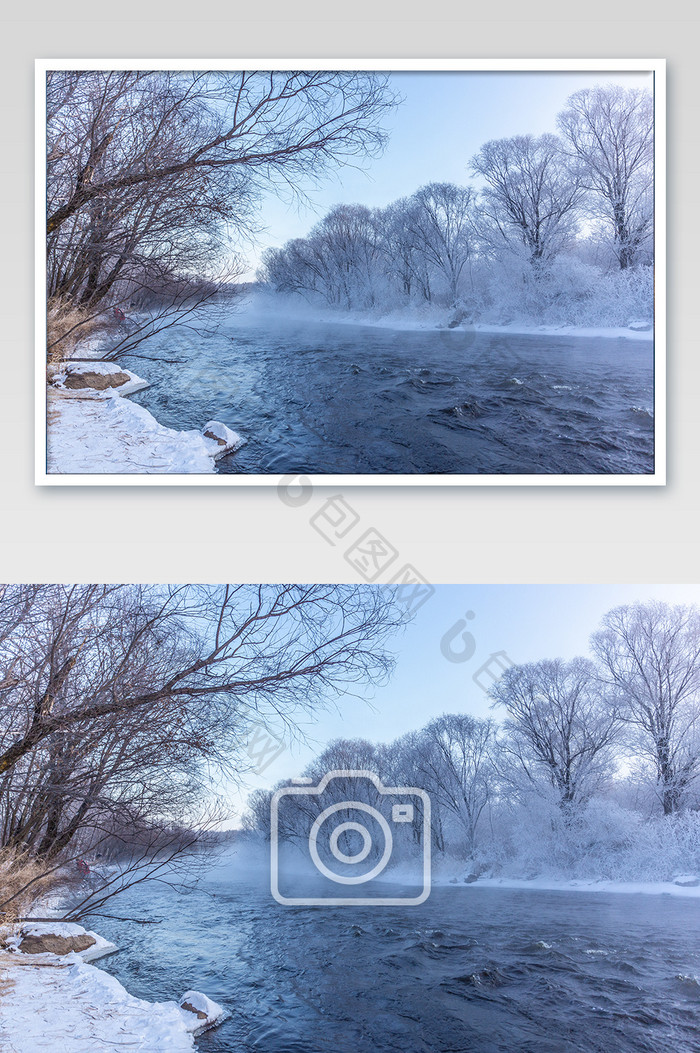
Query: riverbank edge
40 985
92 427
441 319
651 888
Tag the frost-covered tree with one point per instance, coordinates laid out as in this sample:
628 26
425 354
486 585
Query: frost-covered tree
440 227
300 267
530 198
339 262
559 727
404 265
454 762
347 238
650 656
609 136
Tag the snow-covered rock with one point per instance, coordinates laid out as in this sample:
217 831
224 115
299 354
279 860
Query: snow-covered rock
200 1013
94 379
222 439
50 941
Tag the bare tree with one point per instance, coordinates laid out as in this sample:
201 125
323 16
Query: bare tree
272 124
609 132
439 223
405 267
531 197
123 707
152 175
558 725
650 654
454 762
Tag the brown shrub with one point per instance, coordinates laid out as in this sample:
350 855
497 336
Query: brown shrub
66 326
22 880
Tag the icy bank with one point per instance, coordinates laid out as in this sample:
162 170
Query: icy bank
93 429
430 317
52 1001
689 887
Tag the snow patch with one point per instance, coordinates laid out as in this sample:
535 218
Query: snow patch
78 1008
81 1009
592 332
113 436
656 888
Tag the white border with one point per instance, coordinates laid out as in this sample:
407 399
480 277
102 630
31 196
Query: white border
657 66
345 901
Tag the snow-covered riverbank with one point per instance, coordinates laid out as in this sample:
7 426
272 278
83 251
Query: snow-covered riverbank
92 428
430 317
686 887
58 1001
416 323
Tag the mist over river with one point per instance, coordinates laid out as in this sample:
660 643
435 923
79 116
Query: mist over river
331 398
488 970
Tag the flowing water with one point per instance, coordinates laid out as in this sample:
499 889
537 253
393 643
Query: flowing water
350 399
488 970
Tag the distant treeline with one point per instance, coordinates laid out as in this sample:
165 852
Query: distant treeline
556 228
593 769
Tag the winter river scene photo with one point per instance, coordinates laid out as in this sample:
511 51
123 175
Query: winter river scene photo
327 819
402 273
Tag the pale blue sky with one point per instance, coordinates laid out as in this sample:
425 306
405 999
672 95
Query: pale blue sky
444 120
528 622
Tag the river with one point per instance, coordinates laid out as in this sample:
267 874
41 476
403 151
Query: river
488 970
351 399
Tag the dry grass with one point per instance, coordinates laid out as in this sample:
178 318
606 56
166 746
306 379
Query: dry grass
66 326
22 880
6 984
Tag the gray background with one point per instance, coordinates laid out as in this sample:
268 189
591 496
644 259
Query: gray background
532 534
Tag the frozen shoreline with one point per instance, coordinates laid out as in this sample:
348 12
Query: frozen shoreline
93 428
651 888
60 1001
440 319
515 329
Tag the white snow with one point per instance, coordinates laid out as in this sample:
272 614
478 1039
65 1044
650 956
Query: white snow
95 430
80 1009
666 888
55 928
54 1001
115 436
420 322
600 332
222 437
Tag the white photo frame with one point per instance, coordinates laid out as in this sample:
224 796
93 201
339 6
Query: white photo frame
655 66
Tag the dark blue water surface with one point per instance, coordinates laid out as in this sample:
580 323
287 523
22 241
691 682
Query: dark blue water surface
491 970
332 398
